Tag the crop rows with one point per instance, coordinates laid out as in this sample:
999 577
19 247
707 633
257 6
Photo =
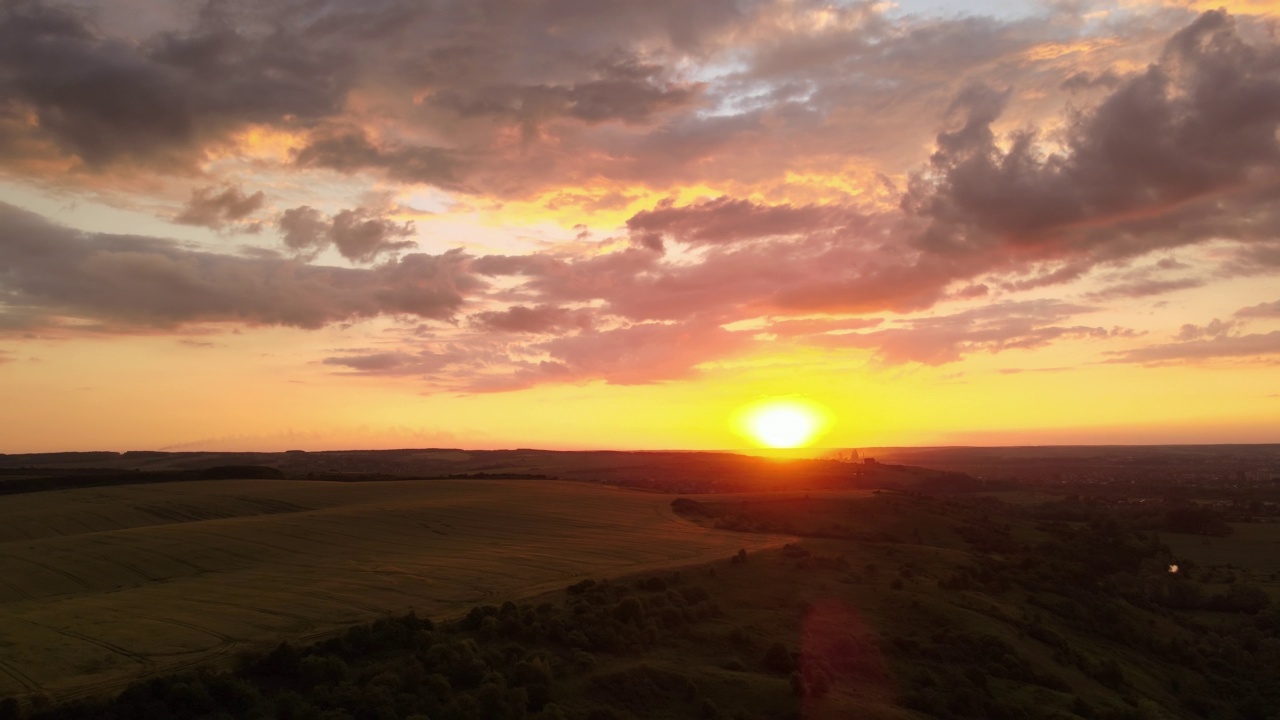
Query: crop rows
152 582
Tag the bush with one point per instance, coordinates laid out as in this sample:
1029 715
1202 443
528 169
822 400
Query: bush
777 659
629 610
1240 598
641 689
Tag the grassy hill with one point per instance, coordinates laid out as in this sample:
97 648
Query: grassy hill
893 605
102 585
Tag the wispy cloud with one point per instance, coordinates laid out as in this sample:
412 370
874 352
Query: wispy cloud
1258 345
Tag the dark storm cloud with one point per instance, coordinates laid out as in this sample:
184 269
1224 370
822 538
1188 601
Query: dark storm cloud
127 282
360 234
104 99
215 208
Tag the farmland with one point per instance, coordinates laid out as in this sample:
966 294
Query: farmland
886 605
102 585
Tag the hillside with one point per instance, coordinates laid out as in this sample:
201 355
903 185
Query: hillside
893 605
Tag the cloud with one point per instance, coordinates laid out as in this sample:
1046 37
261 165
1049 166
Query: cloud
211 208
1085 80
1261 310
996 328
304 230
197 343
726 219
510 101
638 354
123 282
392 363
1199 123
817 326
1145 288
350 150
987 212
1010 212
800 111
1217 347
539 319
359 234
104 100
1215 329
622 89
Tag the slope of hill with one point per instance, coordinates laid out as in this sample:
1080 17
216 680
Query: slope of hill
895 605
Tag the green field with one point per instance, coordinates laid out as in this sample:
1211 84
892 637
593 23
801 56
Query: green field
102 585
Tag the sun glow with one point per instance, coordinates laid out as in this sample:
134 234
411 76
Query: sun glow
783 423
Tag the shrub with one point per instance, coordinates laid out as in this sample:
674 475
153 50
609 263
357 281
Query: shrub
641 689
777 659
1240 598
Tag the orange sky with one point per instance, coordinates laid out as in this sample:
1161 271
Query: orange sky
616 225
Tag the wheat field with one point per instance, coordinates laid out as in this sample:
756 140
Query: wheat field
100 586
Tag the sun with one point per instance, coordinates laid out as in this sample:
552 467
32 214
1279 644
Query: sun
783 423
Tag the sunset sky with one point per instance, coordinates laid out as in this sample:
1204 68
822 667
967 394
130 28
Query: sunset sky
278 224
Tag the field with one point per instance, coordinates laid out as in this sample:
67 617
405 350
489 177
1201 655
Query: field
102 585
1251 546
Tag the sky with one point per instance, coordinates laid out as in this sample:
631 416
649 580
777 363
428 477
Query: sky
574 224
